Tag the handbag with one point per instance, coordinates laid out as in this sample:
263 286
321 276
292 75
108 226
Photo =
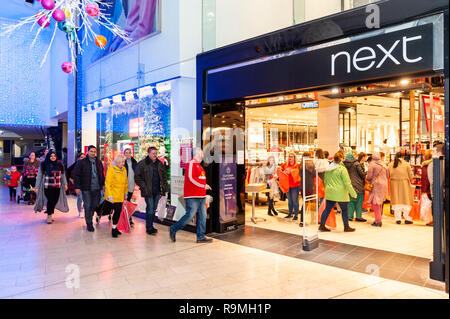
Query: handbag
369 186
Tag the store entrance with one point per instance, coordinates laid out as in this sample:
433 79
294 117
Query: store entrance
387 117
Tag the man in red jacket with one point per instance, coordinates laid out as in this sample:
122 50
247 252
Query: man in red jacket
195 188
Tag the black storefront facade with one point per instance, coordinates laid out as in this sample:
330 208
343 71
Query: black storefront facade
334 51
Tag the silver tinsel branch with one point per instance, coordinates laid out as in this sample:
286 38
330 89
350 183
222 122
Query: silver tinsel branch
78 17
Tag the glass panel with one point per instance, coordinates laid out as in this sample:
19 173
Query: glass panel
209 25
310 202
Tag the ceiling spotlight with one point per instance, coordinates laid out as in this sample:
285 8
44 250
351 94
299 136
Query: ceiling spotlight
335 91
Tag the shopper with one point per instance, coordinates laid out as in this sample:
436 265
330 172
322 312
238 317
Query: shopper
44 155
307 181
358 178
377 176
327 156
401 176
292 169
438 151
12 182
151 177
338 187
321 163
70 173
195 188
29 174
116 189
89 180
270 170
130 166
51 182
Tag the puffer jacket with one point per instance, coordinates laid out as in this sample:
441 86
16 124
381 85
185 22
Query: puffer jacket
337 184
357 174
116 184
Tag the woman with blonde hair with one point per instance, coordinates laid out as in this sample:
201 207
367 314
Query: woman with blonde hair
292 169
402 198
116 189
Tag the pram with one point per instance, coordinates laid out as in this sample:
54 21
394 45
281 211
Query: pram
25 193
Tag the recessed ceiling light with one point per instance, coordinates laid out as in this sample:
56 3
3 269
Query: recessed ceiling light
404 81
335 91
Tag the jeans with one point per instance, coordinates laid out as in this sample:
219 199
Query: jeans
356 204
52 195
91 201
329 206
150 209
12 192
79 202
292 196
193 205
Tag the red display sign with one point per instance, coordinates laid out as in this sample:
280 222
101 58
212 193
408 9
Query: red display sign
438 116
135 125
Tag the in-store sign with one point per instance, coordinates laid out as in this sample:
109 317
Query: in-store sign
135 125
310 105
438 117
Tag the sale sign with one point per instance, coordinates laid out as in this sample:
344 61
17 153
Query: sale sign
438 116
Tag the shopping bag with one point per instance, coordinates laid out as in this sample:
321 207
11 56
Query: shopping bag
331 220
161 208
366 198
128 209
283 180
425 209
414 213
318 184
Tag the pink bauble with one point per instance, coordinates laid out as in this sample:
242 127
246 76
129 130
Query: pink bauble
48 4
44 21
59 15
92 9
67 67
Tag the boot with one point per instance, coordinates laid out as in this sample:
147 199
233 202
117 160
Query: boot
323 228
348 229
115 232
274 211
269 212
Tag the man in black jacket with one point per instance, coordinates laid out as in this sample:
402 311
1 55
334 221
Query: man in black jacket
151 177
89 180
130 166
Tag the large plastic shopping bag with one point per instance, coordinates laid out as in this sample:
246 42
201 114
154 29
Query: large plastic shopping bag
283 180
161 209
414 213
320 188
425 209
331 220
366 198
128 209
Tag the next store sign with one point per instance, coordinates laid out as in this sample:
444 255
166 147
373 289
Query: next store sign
395 53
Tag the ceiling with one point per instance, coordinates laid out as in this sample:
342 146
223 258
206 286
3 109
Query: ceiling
17 132
16 9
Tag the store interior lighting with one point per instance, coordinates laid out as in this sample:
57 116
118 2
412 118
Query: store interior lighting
335 91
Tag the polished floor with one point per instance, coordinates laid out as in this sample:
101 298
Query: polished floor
63 260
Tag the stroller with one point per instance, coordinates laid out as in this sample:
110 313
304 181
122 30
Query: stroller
25 193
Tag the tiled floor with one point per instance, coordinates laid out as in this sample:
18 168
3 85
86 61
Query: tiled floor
43 261
415 240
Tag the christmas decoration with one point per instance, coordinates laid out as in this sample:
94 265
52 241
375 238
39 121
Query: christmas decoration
67 67
77 18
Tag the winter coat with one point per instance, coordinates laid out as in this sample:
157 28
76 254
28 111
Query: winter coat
134 164
401 190
83 174
116 184
337 184
380 183
425 182
14 179
41 201
357 174
144 175
30 170
308 179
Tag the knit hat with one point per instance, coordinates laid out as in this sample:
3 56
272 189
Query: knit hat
349 156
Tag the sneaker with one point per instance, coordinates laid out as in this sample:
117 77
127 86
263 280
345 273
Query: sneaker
295 218
152 231
80 215
90 228
408 222
172 236
288 216
398 222
301 224
204 240
361 220
377 224
49 219
323 228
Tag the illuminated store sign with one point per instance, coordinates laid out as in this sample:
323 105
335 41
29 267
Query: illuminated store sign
310 105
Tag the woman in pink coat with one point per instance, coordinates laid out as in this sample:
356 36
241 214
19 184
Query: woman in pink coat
377 175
